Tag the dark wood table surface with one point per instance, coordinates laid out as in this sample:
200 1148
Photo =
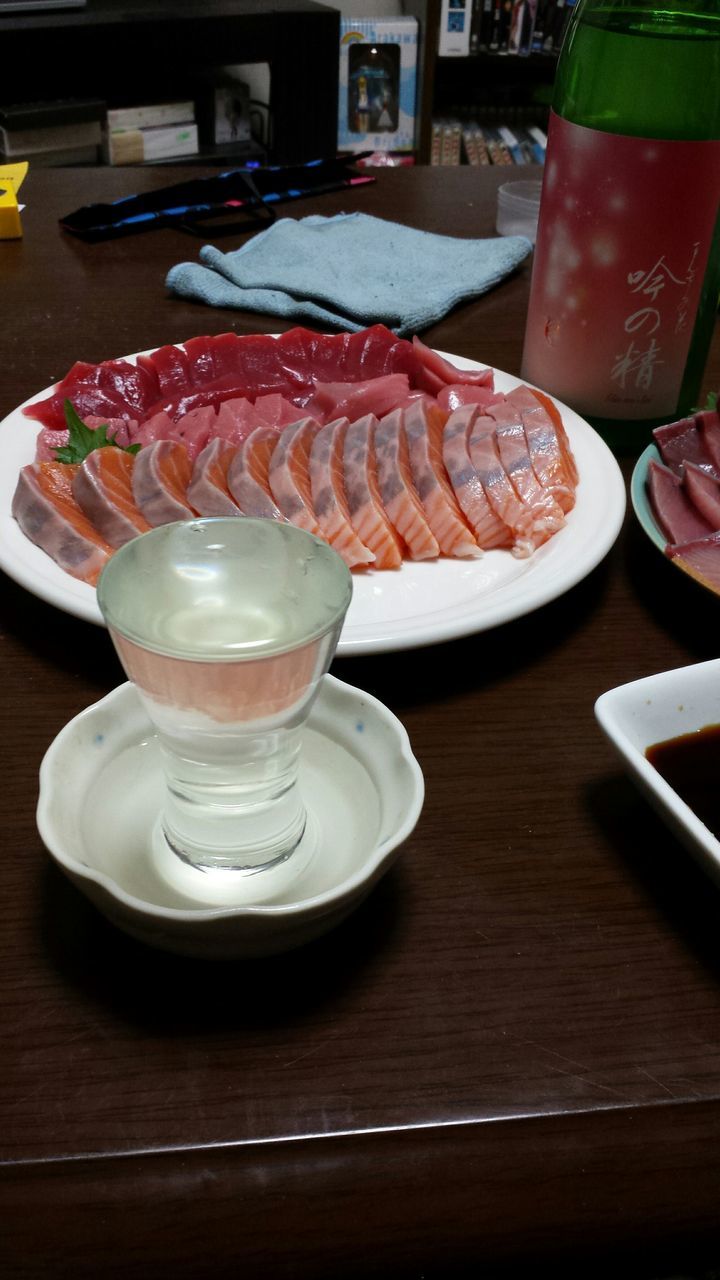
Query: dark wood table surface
508 1057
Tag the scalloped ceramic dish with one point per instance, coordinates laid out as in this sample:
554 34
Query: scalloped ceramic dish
363 790
640 500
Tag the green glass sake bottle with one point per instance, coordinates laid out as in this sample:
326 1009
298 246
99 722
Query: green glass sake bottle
626 273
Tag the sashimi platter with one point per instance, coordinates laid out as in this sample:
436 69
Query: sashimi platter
460 497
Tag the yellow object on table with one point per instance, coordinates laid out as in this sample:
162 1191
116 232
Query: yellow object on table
11 176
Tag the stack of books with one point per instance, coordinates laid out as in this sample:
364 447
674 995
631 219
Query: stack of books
454 143
518 27
149 134
52 133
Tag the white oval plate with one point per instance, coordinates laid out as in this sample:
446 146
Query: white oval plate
422 602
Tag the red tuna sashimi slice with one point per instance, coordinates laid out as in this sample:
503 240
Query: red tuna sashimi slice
398 495
700 558
708 424
47 513
329 500
102 487
548 445
353 400
161 476
681 442
304 355
200 359
289 474
489 529
171 367
247 476
423 424
225 348
502 497
544 516
677 517
208 492
86 400
703 491
367 514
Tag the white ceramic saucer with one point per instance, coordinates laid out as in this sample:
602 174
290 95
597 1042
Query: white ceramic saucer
101 789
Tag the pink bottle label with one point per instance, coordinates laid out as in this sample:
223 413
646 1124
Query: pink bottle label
625 231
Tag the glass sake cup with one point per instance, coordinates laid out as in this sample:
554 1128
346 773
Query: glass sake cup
226 627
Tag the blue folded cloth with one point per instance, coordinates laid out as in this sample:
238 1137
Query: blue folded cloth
349 271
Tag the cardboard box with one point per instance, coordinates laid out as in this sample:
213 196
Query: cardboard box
378 84
138 146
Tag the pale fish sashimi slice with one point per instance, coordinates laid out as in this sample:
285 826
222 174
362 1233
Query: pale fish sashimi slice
423 424
289 474
102 487
489 529
247 475
548 446
399 497
208 492
700 558
703 490
367 513
544 515
237 418
502 497
161 476
49 516
327 485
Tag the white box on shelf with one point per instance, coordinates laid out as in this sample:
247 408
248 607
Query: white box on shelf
378 84
150 117
455 23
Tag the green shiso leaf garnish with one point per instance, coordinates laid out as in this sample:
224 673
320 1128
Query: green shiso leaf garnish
83 440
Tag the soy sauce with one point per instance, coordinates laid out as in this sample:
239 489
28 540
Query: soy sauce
691 766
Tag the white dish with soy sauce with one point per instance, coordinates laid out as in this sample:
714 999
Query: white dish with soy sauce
673 717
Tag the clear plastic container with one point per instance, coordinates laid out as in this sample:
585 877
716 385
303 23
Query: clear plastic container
518 208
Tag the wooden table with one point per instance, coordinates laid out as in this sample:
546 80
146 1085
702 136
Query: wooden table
508 1058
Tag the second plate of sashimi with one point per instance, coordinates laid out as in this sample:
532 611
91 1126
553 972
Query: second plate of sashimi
461 497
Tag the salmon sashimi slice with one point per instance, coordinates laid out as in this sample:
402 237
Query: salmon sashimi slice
489 528
102 488
367 513
544 515
502 497
399 497
160 478
548 445
46 511
208 492
247 476
289 474
423 425
327 485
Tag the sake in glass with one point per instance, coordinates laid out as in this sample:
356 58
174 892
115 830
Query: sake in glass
226 627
